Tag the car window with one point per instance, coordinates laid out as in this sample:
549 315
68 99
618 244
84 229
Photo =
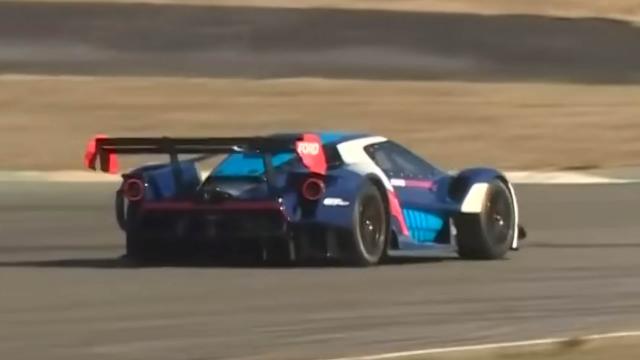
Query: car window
252 164
381 157
383 160
396 160
410 163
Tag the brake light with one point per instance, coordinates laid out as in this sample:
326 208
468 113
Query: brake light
133 189
313 189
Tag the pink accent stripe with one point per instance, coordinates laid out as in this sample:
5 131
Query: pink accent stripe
420 183
228 205
396 211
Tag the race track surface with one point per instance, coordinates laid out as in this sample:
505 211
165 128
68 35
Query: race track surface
66 295
254 42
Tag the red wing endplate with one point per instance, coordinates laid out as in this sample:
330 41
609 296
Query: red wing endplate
91 156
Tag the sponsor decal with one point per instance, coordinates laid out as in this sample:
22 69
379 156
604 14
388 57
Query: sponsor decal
425 184
330 201
308 148
310 151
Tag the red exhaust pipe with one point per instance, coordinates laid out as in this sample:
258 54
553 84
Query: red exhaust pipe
133 189
313 189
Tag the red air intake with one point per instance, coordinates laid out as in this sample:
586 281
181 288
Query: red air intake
313 189
133 189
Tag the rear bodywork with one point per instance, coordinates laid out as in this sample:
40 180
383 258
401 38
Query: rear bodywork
256 192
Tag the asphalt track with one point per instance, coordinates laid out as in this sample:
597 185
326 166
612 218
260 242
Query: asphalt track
65 294
255 42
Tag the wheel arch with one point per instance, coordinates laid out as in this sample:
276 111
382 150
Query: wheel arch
470 187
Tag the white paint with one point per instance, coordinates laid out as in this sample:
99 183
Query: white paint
307 148
474 201
398 182
514 243
356 159
549 341
352 151
331 201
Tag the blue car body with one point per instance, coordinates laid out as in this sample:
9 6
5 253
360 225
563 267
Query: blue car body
423 199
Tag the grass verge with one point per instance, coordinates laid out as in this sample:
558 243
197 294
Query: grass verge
46 121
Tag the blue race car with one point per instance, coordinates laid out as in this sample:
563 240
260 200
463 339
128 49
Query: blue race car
294 198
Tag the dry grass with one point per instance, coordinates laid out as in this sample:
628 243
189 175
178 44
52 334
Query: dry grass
620 9
46 120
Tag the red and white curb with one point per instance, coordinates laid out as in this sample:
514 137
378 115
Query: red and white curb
517 177
490 346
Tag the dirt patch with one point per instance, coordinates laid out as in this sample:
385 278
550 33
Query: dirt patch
46 121
617 9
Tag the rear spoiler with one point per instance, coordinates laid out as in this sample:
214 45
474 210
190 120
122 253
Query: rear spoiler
104 149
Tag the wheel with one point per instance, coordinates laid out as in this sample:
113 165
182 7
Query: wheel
136 247
143 249
488 235
371 228
276 252
140 247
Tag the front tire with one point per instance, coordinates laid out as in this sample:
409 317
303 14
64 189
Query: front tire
371 227
489 234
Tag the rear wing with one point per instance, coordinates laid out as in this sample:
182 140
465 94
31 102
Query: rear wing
103 150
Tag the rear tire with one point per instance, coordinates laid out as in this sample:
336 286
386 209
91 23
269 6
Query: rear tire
489 234
371 228
140 247
141 250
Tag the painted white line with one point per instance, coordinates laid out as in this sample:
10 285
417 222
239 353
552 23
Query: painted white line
549 341
560 177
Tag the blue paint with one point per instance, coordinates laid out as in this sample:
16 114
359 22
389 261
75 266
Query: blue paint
423 226
329 137
162 179
246 164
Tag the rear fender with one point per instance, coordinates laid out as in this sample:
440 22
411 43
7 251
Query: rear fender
166 181
161 184
334 208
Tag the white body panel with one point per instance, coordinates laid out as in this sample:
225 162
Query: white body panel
353 154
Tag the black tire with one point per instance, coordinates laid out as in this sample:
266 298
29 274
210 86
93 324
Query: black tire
142 249
488 235
276 252
146 250
371 228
